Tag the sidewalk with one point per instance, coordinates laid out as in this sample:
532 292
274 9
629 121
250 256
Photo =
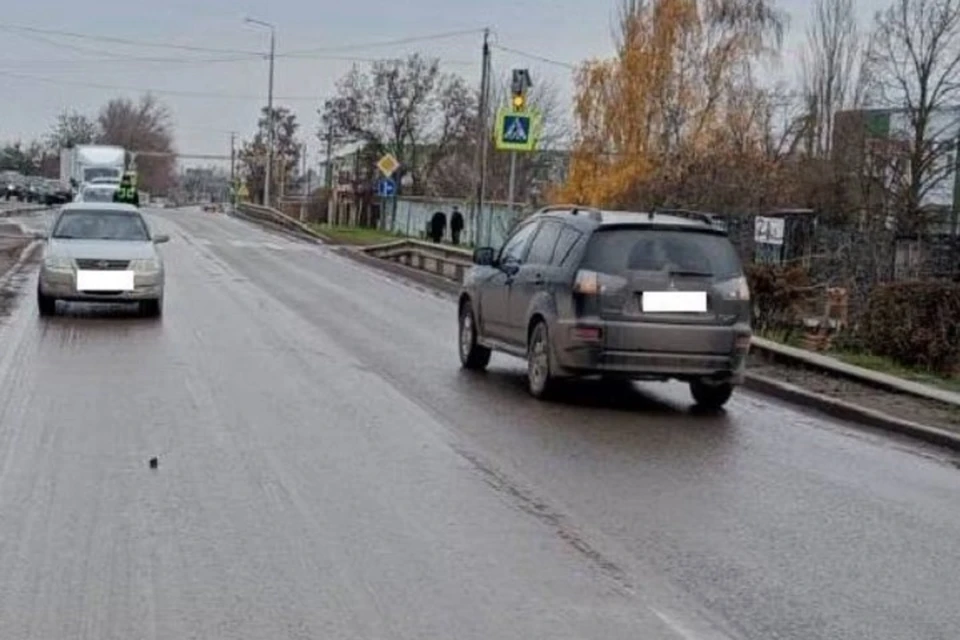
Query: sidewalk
881 380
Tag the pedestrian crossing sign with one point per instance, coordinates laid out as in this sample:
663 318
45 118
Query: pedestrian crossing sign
517 130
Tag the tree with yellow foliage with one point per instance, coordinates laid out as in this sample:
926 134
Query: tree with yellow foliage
674 91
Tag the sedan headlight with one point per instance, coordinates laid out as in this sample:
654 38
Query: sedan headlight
57 263
148 265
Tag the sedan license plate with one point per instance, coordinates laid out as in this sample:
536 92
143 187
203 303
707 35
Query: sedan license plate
674 301
104 280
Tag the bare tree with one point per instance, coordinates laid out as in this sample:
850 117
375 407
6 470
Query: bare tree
71 129
142 126
915 59
405 107
829 63
286 151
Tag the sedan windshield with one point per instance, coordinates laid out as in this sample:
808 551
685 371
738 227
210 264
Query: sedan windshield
101 225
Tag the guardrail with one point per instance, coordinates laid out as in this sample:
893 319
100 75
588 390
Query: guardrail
444 261
274 218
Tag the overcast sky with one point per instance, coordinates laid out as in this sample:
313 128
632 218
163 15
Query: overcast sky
213 93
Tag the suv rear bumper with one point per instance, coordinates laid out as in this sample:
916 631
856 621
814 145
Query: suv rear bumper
579 353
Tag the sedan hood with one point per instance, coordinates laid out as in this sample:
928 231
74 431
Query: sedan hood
101 250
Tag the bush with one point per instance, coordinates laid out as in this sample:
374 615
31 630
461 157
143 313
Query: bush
779 294
915 323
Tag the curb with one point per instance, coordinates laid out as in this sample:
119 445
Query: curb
25 254
847 411
833 407
780 354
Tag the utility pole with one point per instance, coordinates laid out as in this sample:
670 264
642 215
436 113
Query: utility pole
306 187
481 161
271 125
519 85
328 175
233 168
271 131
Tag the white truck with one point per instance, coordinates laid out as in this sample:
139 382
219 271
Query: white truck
88 162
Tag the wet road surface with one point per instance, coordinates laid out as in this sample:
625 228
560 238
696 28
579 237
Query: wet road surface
326 470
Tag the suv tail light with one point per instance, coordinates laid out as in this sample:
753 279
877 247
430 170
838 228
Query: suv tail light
587 283
592 283
735 289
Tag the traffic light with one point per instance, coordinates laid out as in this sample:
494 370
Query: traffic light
519 84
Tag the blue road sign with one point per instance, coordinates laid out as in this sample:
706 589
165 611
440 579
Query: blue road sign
386 188
516 128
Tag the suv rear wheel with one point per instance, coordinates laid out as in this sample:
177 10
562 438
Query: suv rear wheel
540 379
711 395
473 356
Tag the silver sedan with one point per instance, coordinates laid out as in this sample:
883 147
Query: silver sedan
101 252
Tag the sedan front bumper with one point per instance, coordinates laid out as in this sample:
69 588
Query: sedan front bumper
62 285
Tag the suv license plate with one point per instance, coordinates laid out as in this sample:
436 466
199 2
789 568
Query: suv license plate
674 301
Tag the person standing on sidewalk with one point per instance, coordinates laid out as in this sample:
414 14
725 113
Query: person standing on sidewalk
438 226
456 225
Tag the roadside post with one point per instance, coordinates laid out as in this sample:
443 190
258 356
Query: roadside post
517 131
387 187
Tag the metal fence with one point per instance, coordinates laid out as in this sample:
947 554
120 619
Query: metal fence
412 215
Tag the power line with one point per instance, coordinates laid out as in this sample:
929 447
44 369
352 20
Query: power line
170 92
125 41
186 62
123 56
307 53
532 56
385 43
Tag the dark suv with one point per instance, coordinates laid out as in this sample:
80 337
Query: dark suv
582 292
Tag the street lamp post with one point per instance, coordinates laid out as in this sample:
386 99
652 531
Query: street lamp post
268 178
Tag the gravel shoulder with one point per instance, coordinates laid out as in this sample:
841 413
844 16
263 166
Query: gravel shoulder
902 406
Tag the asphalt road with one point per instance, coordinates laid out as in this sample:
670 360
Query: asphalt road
327 471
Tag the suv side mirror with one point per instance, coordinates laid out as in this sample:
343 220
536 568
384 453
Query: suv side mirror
484 256
161 238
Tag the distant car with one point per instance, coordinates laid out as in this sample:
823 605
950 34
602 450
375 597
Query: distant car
96 193
57 193
15 190
582 292
101 253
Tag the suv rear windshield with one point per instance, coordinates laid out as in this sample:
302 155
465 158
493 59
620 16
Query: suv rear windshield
616 251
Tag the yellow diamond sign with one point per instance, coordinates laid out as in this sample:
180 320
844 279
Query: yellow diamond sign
388 164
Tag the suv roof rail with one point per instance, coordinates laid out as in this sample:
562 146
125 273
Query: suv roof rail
573 208
706 218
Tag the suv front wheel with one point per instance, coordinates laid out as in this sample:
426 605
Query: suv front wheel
711 395
473 356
